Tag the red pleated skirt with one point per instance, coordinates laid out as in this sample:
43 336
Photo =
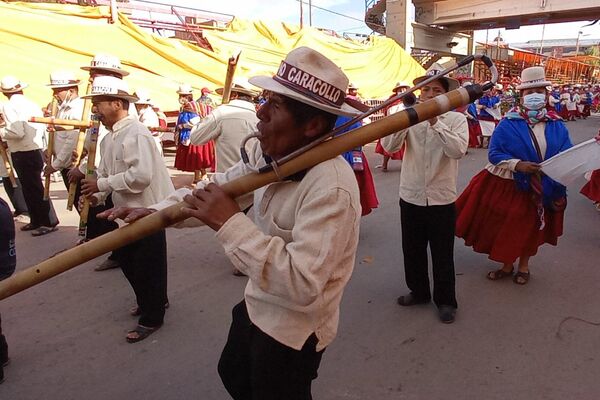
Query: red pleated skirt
194 158
497 219
591 190
368 194
397 155
474 133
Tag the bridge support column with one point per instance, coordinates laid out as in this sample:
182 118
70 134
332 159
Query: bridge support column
398 22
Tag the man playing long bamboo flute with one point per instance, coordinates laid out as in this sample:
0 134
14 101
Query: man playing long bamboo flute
300 249
65 90
133 173
100 65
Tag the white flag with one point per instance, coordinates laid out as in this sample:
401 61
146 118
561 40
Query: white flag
569 165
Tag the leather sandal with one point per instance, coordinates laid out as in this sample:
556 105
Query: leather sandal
142 333
524 276
44 230
29 227
498 274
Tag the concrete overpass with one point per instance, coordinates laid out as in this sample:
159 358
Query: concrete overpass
445 26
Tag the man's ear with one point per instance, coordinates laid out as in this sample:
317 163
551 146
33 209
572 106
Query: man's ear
316 126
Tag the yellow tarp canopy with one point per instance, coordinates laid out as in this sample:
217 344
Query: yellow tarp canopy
36 39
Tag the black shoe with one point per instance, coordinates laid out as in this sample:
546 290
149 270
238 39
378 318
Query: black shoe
29 227
411 300
447 314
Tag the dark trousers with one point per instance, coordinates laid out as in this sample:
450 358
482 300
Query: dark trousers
254 366
15 196
144 263
3 351
95 226
28 165
433 226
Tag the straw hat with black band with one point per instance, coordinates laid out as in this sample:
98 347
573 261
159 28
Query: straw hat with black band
62 80
109 86
240 85
449 83
10 84
310 78
105 62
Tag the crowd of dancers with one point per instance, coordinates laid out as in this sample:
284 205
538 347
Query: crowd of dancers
299 250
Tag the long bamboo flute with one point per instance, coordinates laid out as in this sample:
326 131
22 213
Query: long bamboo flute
50 149
8 166
67 124
159 220
87 108
89 173
231 66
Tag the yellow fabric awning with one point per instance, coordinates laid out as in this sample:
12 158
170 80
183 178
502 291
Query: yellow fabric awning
38 38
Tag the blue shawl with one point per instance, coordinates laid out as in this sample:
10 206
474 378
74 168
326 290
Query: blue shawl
511 139
184 134
340 121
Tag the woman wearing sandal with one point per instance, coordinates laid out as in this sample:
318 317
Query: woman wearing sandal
510 208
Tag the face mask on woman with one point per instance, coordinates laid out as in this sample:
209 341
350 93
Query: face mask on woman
534 101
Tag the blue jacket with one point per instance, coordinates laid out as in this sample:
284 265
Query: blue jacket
489 102
511 139
342 119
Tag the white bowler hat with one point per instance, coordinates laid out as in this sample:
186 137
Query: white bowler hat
106 62
184 88
62 79
436 69
533 77
10 84
311 78
240 85
400 85
110 86
143 95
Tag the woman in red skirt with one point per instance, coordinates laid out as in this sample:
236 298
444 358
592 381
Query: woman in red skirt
510 209
189 157
392 109
591 190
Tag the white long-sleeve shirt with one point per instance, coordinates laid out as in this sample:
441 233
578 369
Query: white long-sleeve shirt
149 118
298 252
227 125
19 134
430 163
66 141
131 167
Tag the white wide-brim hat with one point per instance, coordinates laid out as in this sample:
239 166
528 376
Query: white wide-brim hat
399 85
143 97
10 84
62 79
533 77
184 88
109 86
106 62
436 69
311 78
240 85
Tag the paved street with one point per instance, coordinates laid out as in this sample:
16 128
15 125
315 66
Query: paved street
67 335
